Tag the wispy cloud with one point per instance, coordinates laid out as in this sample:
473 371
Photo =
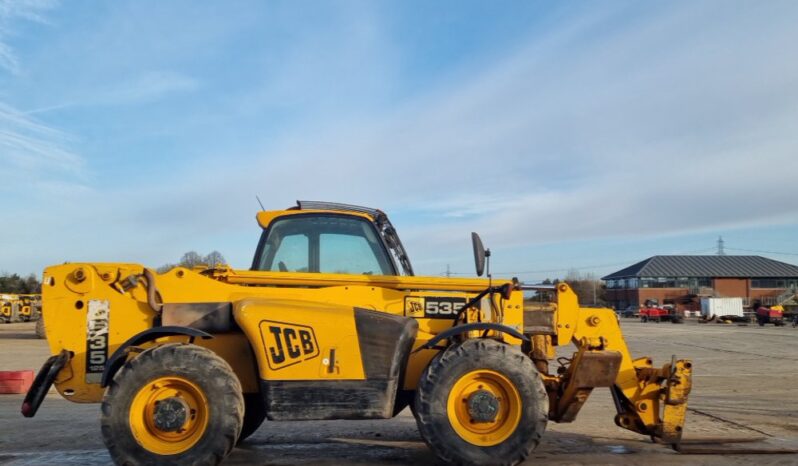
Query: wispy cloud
29 147
580 134
143 89
603 122
32 153
10 12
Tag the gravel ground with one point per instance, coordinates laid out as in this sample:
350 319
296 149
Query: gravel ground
743 382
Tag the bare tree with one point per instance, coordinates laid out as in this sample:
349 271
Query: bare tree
190 260
214 259
586 287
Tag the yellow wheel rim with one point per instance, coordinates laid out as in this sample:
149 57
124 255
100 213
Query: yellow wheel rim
504 399
155 438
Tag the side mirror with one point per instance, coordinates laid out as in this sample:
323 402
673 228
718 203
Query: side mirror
479 253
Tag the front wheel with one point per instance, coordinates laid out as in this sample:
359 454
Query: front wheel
176 404
644 319
481 402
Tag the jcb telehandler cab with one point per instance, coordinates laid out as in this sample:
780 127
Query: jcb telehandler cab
331 323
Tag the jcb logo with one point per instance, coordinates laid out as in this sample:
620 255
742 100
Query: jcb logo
287 344
414 306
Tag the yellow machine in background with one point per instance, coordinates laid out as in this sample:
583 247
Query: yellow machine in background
331 323
8 305
19 307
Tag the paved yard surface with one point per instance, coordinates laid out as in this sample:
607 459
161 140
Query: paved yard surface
744 388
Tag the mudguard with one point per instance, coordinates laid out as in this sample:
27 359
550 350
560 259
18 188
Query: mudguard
118 358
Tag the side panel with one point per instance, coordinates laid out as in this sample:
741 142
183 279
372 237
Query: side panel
326 362
301 340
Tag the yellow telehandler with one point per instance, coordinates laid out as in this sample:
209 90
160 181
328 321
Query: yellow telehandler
331 323
9 305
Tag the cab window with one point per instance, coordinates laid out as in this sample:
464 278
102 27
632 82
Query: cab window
323 243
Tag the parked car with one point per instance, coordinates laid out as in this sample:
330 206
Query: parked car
630 311
660 314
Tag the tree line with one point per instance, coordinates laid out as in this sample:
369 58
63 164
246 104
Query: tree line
193 259
15 284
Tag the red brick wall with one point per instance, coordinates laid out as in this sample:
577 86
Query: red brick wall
731 287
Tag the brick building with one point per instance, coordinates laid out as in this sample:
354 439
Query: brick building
683 280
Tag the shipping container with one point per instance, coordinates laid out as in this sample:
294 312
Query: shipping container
721 307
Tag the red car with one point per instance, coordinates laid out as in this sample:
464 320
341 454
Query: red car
658 314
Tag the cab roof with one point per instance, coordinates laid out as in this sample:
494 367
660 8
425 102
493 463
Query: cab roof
265 217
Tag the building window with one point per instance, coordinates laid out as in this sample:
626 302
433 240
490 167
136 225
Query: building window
674 282
773 283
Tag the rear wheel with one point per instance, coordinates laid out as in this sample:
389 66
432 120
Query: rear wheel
644 319
483 403
174 404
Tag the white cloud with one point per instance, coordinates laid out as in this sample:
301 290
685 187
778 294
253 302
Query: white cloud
660 127
34 156
601 126
145 88
29 148
12 11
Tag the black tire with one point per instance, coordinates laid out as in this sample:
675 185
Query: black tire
254 414
644 319
201 367
442 375
40 331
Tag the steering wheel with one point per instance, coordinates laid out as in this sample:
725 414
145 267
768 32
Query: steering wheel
282 267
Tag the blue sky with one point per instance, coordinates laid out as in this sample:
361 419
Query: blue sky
569 134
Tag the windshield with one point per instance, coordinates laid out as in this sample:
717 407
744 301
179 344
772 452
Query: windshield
323 243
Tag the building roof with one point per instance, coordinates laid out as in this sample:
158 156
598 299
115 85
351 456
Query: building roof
707 266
